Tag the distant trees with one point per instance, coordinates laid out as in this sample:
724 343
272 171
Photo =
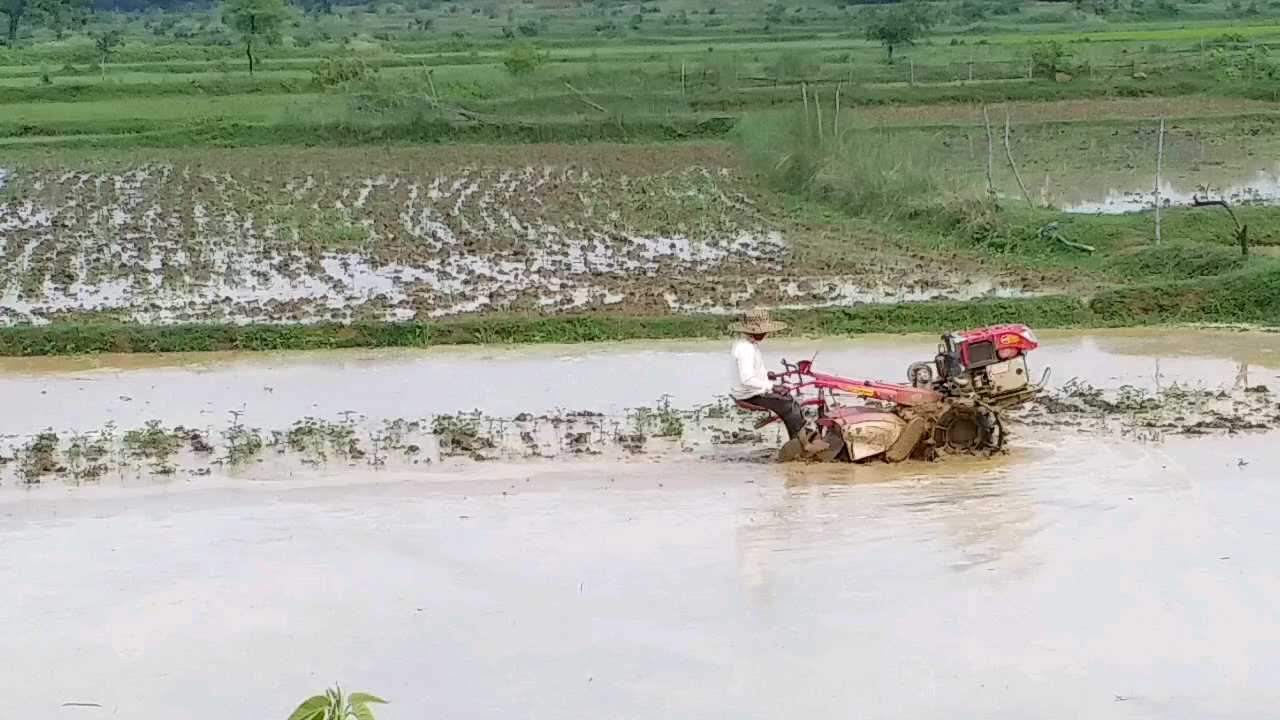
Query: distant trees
57 15
13 10
60 15
257 21
899 25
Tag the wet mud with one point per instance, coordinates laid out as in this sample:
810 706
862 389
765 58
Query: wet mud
431 234
259 418
635 559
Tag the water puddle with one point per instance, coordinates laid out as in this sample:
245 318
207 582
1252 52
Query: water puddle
1261 188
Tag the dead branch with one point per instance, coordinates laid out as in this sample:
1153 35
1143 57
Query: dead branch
582 96
1053 232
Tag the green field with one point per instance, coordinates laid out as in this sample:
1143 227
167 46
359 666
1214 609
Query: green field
864 160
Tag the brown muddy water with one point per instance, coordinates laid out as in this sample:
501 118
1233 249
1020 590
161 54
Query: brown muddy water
276 389
1080 575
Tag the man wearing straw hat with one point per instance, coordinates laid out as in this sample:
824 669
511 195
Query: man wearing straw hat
751 383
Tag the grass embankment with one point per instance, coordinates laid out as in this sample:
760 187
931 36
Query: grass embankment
1196 275
1246 296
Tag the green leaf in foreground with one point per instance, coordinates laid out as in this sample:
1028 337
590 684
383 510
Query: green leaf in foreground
312 708
333 705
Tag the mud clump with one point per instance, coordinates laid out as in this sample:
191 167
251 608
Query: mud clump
1175 409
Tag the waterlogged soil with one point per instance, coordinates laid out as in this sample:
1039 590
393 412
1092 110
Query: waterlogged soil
119 419
1108 166
1117 561
1075 576
298 235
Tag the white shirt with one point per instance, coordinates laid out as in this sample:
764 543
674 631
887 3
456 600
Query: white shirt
749 376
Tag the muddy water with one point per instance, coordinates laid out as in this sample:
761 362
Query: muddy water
1069 580
274 390
1255 187
1078 576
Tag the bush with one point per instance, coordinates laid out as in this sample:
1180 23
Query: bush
1051 58
866 172
334 71
794 65
522 60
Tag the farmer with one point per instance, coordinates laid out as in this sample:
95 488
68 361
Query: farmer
752 384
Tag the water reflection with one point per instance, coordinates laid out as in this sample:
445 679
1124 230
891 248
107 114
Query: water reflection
1262 188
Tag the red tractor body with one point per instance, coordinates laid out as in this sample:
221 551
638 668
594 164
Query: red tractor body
950 404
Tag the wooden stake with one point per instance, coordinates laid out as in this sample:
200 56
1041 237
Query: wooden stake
683 87
432 84
835 115
991 183
804 95
1012 165
913 70
1159 169
817 108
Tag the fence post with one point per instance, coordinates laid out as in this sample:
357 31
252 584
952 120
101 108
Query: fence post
683 87
991 184
1159 168
817 108
913 71
835 116
1013 166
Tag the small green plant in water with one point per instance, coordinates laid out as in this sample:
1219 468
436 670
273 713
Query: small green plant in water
153 441
317 437
39 457
334 705
669 421
243 444
460 434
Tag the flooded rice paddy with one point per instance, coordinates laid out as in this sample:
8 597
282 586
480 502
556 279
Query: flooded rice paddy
1112 564
430 234
1261 187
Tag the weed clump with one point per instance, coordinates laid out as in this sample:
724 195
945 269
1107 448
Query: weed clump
460 434
40 458
243 444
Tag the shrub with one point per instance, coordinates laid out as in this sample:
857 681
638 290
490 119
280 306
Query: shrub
1050 59
335 71
522 60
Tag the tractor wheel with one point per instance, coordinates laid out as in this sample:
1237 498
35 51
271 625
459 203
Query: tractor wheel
968 429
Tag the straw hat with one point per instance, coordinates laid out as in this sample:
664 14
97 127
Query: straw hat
757 322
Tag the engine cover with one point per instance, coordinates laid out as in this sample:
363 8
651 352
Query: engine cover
1007 377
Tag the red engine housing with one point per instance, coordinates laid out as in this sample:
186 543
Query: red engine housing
984 346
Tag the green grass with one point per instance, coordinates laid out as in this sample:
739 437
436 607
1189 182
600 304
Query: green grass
71 339
1251 296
